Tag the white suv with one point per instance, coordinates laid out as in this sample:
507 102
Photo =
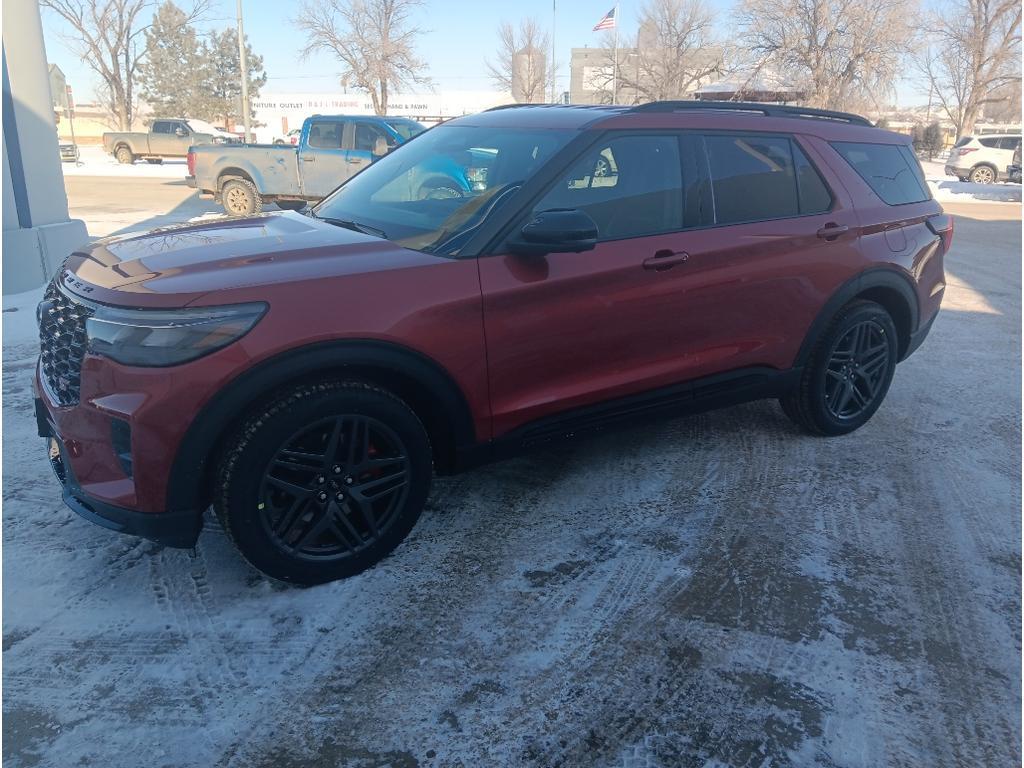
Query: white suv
982 159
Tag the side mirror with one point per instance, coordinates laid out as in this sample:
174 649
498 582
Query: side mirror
380 147
559 230
179 131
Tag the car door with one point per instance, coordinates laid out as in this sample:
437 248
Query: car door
365 139
159 137
324 156
570 329
180 139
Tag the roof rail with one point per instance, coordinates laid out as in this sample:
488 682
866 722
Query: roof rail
769 110
556 106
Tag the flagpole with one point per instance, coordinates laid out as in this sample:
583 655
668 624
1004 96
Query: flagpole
615 55
551 67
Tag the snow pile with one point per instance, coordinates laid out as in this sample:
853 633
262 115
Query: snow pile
93 161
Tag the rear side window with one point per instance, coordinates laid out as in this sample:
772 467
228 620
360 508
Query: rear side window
630 186
325 135
890 170
161 126
992 142
756 178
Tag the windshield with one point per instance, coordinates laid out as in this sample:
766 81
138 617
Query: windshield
429 195
406 128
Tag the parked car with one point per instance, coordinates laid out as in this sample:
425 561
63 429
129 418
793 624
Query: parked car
292 137
165 138
307 375
1013 170
68 152
982 159
331 149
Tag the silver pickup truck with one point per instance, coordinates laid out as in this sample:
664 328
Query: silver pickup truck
169 138
331 149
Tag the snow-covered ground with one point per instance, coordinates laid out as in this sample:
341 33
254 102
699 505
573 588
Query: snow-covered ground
949 189
93 161
713 591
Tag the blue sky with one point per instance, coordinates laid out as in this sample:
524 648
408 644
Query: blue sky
458 38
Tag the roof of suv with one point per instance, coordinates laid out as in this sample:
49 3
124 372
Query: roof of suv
702 114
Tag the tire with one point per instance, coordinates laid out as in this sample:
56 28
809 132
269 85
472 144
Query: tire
848 373
154 160
124 155
291 205
240 197
983 174
439 190
278 142
294 505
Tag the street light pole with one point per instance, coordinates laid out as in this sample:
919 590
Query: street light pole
243 66
551 67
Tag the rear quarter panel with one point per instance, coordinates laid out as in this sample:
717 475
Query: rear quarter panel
894 236
273 168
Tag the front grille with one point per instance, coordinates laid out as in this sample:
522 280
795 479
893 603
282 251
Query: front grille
62 342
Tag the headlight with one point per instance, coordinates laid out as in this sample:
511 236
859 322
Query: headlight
159 338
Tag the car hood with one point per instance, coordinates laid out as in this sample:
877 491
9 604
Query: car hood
173 266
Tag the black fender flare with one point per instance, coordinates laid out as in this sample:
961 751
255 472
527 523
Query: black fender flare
187 483
883 278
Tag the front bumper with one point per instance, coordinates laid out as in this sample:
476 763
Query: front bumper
172 529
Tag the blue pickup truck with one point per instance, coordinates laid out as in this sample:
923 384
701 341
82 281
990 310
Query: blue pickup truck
331 149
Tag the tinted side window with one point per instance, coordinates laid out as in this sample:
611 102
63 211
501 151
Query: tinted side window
366 136
886 170
161 126
753 178
814 196
630 186
963 141
325 135
1009 142
989 141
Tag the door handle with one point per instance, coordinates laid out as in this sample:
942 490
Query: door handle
832 231
308 159
666 259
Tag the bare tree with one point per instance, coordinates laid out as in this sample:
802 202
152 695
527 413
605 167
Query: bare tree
521 66
670 56
973 56
108 37
839 52
373 39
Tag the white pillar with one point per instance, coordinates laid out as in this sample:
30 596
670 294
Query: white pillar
37 232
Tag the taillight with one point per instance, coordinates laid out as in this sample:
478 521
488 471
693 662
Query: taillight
191 159
942 225
967 150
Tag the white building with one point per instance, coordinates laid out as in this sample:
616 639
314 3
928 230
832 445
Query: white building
37 232
281 112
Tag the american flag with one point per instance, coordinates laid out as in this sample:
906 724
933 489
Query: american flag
607 21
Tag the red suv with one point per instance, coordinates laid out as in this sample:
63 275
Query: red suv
307 374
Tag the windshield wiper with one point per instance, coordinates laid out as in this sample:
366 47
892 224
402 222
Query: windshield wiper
355 226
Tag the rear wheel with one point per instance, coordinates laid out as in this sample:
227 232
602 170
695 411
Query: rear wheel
848 374
240 197
324 482
124 155
983 174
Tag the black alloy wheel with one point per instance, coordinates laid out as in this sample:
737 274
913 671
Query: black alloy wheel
848 373
334 487
324 481
855 373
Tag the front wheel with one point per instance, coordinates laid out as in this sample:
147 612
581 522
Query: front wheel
325 481
848 374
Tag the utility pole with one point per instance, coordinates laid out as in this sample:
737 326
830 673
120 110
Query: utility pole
243 66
